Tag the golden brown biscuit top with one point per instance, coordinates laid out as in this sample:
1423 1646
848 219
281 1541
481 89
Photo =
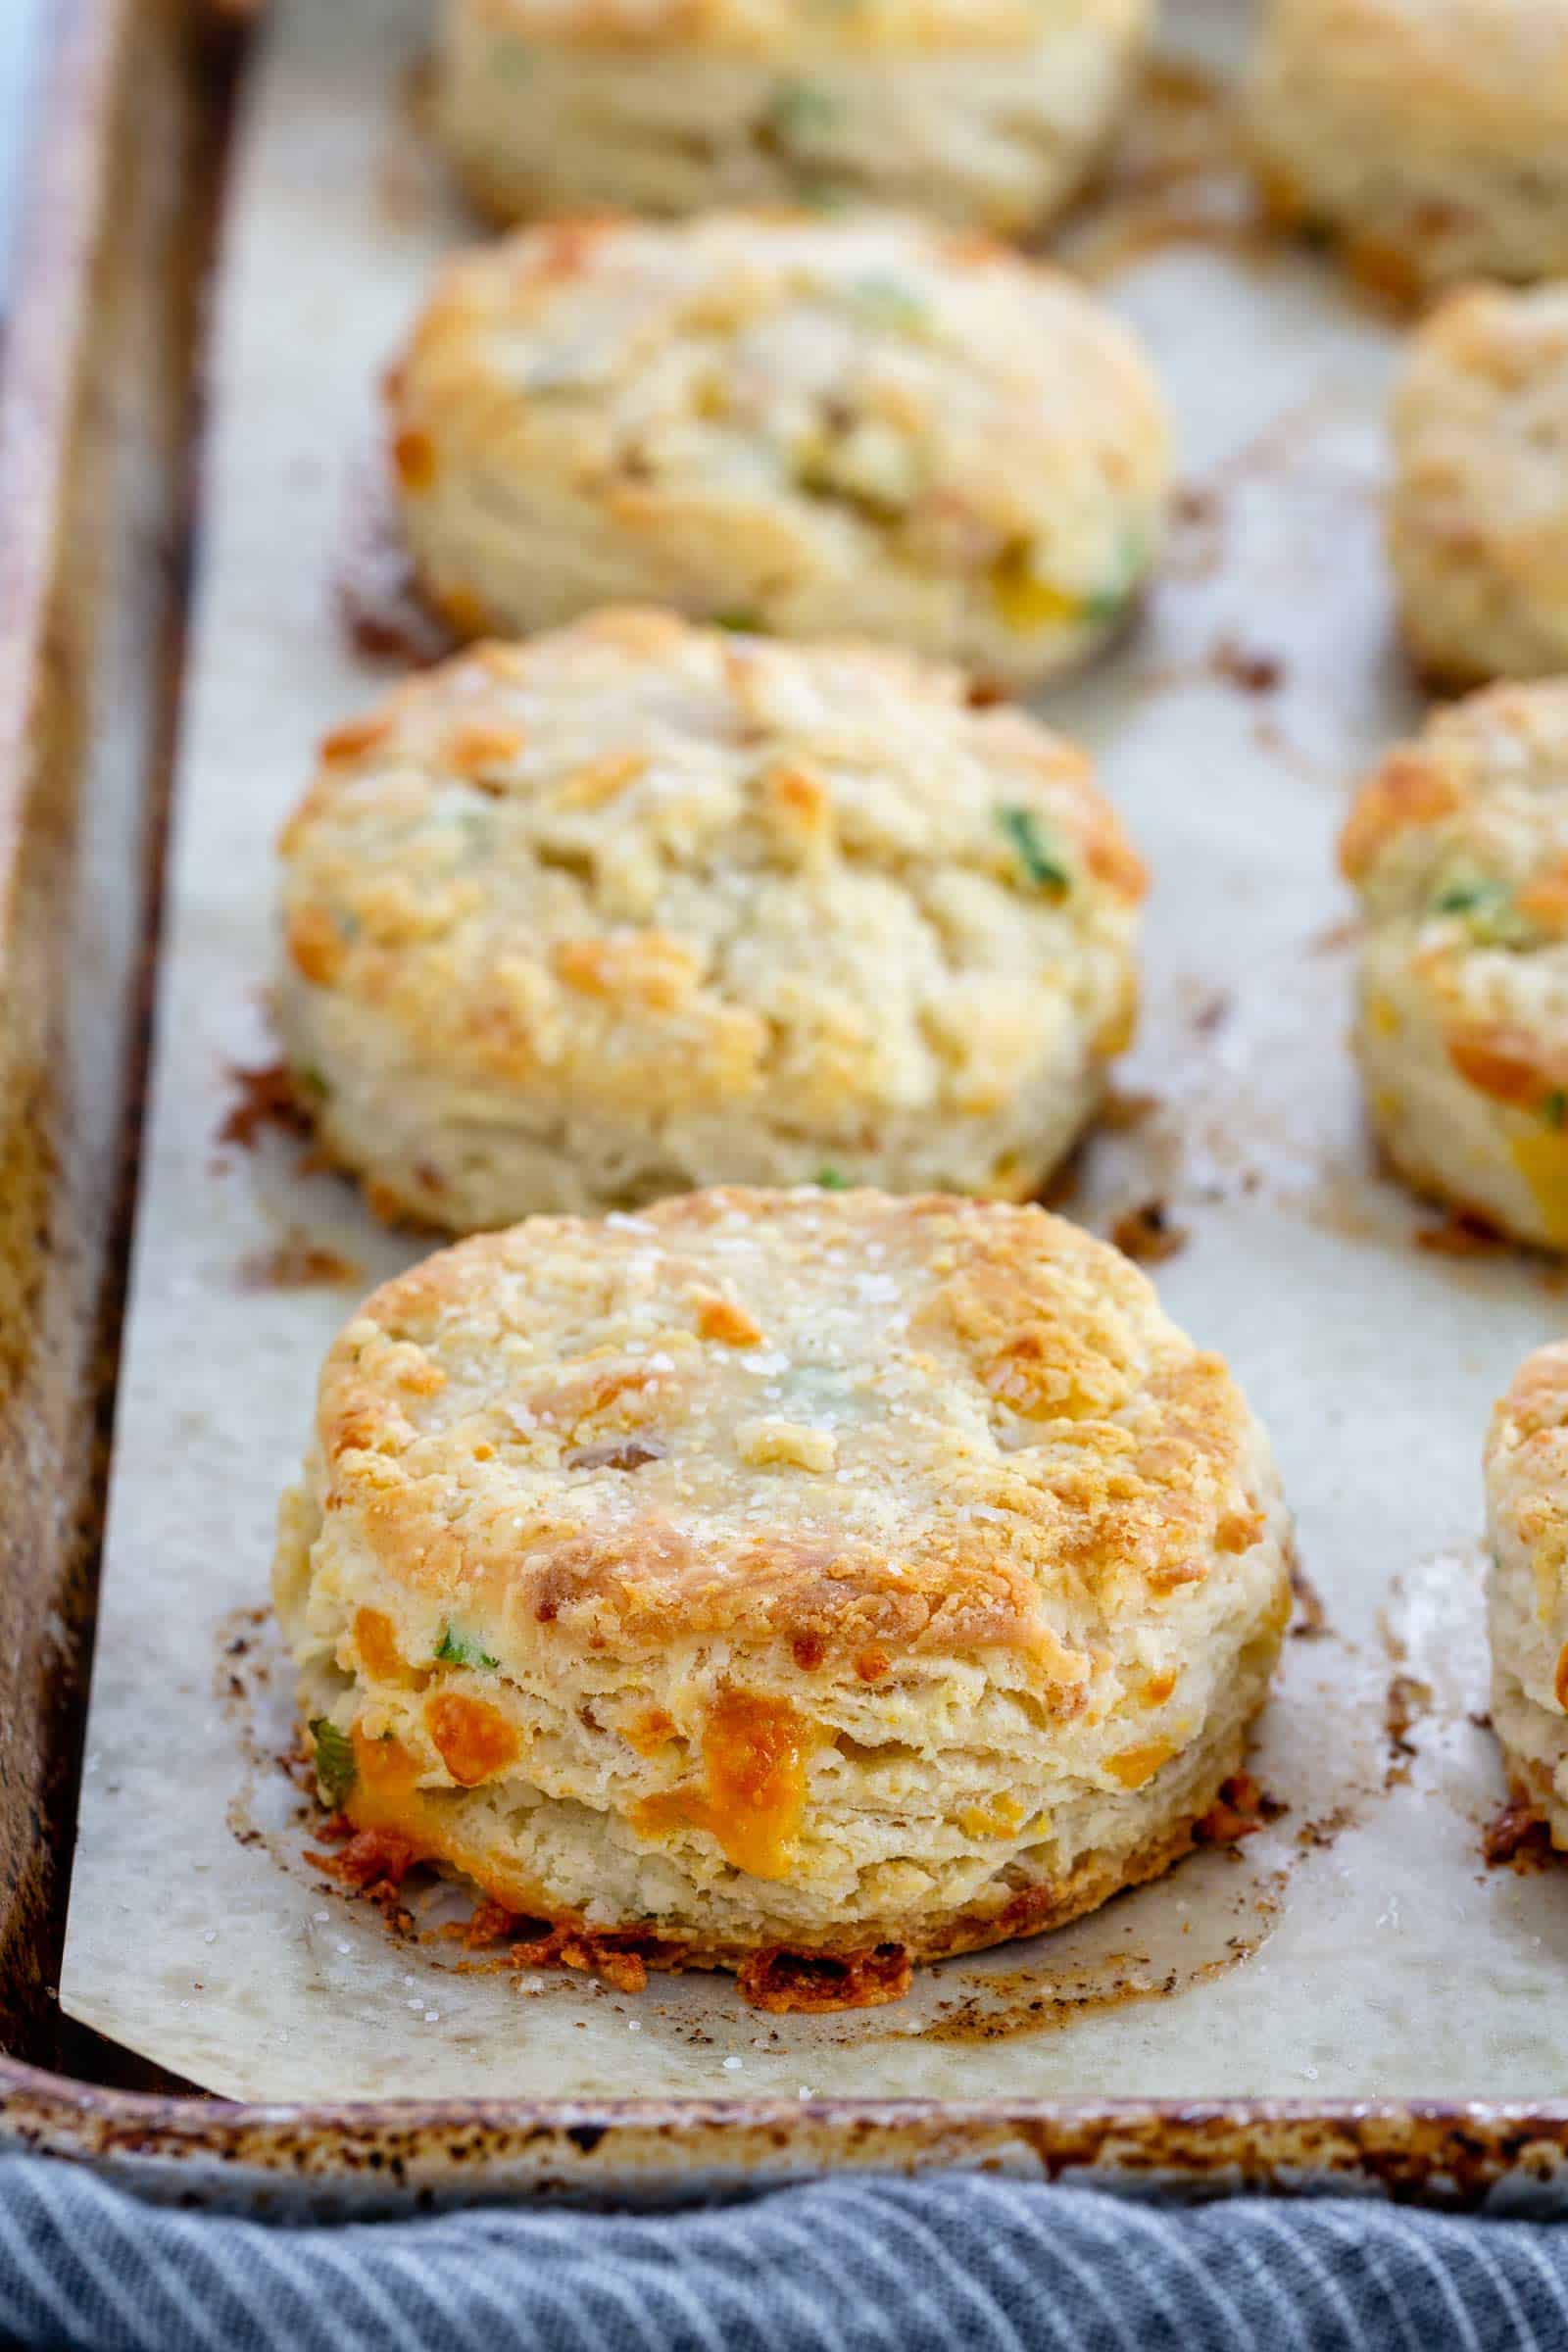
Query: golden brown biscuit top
1458 844
1507 340
1527 1470
781 30
1491 68
862 1425
884 374
1481 435
652 865
1469 820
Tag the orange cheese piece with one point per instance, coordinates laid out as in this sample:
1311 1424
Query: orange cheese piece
377 1645
1136 1765
1541 1160
754 1756
476 1740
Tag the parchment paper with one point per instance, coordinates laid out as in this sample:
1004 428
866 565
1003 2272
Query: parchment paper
1358 1947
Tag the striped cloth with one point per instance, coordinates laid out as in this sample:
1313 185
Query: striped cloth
882 2266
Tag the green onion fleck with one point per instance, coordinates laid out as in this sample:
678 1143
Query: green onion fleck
462 1650
334 1759
312 1082
1555 1108
1109 602
800 112
1463 898
831 1180
1487 909
1107 605
740 622
890 302
1035 852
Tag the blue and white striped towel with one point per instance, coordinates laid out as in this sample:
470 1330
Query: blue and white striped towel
882 2266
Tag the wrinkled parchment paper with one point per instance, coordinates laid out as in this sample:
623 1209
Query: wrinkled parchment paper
1358 1946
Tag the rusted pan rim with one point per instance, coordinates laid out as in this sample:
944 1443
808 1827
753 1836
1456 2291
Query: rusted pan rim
388 2156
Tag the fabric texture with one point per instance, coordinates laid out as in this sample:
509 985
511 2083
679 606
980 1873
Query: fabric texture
883 2266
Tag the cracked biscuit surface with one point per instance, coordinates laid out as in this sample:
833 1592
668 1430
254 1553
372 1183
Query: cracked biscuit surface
783 1573
804 427
1431 136
1458 844
641 907
985 113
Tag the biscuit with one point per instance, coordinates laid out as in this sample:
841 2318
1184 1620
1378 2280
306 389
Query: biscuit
806 427
1526 1592
1430 135
1478 520
782 1575
639 907
1458 844
985 113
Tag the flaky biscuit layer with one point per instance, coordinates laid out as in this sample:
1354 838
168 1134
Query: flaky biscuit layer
807 427
1478 519
1458 844
811 1570
1431 134
639 905
986 114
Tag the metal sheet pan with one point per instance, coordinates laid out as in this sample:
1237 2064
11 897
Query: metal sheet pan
1227 729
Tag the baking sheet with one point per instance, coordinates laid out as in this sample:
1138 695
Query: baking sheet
1357 1947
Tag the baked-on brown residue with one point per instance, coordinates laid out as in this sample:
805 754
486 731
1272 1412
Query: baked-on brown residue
266 1097
1178 177
1147 1235
378 600
621 1959
1243 1809
370 1867
1406 1700
1122 1107
374 1859
814 1984
1326 1828
1517 1839
618 1962
779 1981
1238 665
1461 1233
296 1263
1045 2008
1311 1622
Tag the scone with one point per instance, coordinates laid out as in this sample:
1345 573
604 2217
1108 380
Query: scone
1526 1592
800 1583
639 907
1430 135
986 113
1478 522
1458 844
808 427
